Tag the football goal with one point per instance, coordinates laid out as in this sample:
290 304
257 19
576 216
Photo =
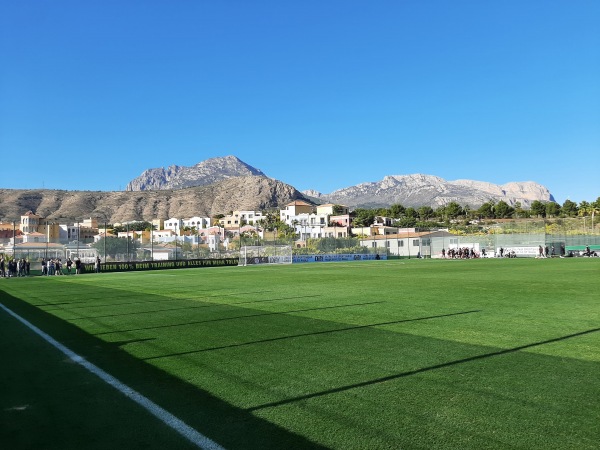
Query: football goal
265 254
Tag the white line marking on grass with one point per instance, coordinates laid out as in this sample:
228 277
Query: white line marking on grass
164 416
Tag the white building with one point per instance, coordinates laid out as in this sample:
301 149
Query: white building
239 218
196 222
249 217
102 234
408 243
74 232
34 237
174 224
158 235
309 225
312 223
30 222
293 209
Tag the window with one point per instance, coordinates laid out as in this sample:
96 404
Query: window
415 242
373 244
387 244
401 243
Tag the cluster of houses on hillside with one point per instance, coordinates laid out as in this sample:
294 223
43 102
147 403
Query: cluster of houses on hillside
40 237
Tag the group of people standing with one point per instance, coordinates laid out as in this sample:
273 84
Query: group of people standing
461 253
54 266
545 252
20 267
14 268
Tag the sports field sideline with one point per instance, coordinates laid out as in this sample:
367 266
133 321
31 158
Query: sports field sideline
496 353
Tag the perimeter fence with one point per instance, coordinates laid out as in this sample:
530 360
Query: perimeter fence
558 237
561 236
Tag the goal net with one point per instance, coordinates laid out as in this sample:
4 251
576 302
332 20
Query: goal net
265 254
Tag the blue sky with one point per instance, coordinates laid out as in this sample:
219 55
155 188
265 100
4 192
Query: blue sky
318 94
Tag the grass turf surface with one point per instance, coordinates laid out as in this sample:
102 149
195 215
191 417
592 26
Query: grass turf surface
378 354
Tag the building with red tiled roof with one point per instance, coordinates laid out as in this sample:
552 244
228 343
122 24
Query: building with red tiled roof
295 208
7 234
30 222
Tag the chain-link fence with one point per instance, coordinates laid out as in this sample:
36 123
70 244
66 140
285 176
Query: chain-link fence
523 237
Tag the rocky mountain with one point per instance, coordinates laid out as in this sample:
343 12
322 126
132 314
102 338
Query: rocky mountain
217 189
204 173
409 190
240 193
428 190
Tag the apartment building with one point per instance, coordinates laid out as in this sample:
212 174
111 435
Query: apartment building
239 218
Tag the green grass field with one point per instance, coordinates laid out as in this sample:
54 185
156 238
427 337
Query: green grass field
422 354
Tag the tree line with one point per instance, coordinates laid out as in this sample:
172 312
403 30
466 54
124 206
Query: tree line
425 215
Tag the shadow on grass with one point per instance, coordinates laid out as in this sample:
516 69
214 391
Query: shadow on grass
313 333
229 426
245 316
210 305
419 371
169 299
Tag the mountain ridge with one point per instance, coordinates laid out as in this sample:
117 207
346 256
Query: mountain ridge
410 190
238 193
146 198
431 190
205 172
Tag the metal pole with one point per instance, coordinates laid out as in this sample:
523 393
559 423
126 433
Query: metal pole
151 242
105 240
47 239
127 241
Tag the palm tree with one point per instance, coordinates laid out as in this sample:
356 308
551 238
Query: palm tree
586 209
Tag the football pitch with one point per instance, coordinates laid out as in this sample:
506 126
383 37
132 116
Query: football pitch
401 354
